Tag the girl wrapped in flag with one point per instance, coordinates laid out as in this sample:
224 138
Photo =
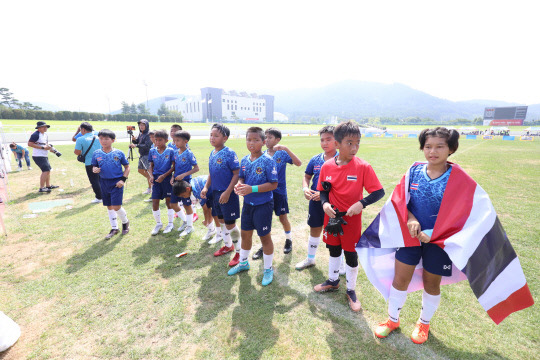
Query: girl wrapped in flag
439 227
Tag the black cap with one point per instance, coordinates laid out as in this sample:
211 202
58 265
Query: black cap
42 123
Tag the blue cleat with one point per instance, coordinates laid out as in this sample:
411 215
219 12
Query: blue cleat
268 276
238 268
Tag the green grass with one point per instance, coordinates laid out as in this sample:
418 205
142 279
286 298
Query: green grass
76 295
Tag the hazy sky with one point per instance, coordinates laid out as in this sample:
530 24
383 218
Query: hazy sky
83 55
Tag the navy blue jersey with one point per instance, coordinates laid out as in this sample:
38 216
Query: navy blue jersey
426 195
162 162
197 184
282 159
221 165
184 161
313 168
260 171
110 163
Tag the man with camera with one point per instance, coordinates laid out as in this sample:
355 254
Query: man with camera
40 142
143 143
85 146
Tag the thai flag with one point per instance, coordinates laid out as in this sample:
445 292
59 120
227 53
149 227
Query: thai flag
468 229
351 177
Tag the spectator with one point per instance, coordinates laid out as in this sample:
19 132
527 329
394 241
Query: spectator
40 142
20 152
143 143
85 145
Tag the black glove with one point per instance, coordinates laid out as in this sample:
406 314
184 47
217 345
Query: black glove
334 224
326 185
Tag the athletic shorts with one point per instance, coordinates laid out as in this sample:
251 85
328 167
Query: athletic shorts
111 195
257 217
42 162
176 199
143 162
434 259
209 201
315 214
281 205
163 189
351 233
229 211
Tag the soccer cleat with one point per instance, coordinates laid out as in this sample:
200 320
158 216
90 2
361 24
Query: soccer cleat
288 246
328 285
125 228
385 328
44 190
112 233
224 250
268 276
235 260
188 230
258 255
147 200
52 187
183 226
238 268
195 217
168 228
156 229
420 333
307 262
147 191
354 303
96 201
342 271
215 239
209 234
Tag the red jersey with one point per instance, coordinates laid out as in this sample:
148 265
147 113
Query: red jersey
348 181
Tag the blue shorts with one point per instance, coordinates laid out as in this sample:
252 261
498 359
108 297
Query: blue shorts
281 205
112 195
315 214
163 189
208 201
229 211
176 199
257 217
434 259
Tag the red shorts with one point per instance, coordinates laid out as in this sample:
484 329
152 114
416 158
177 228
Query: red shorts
351 233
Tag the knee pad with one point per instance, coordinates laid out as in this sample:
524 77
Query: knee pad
351 258
335 250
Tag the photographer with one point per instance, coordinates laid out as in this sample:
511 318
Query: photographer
143 143
40 142
85 146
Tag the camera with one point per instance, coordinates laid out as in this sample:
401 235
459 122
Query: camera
54 151
130 129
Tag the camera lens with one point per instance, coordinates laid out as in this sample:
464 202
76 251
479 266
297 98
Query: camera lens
58 153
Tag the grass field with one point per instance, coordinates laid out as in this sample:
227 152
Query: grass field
78 296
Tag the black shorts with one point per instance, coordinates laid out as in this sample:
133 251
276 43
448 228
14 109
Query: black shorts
434 259
143 162
42 162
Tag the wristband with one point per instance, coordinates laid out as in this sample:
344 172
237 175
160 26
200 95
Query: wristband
123 178
255 189
305 188
363 202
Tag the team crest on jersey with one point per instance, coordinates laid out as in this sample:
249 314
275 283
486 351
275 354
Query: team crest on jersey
116 158
278 160
351 177
258 170
184 159
413 186
219 161
166 156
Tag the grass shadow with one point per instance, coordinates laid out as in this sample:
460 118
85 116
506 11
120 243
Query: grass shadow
97 250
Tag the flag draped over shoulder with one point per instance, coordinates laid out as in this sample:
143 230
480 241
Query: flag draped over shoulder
468 229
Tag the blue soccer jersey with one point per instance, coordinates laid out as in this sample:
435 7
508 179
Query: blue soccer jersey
197 184
260 171
110 163
184 161
162 162
282 159
221 165
426 195
313 168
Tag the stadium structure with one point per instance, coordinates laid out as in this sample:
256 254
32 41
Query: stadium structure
505 116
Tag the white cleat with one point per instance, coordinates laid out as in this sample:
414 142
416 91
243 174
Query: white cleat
188 230
169 228
147 191
215 239
183 226
307 262
96 201
209 234
156 229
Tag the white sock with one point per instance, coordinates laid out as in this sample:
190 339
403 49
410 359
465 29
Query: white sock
333 267
430 303
227 237
268 260
182 213
170 215
395 303
223 227
211 226
351 274
112 219
244 255
288 235
157 216
122 214
219 231
189 219
235 242
313 244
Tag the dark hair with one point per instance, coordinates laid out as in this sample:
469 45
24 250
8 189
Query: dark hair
349 128
274 132
182 134
328 129
161 134
107 133
13 146
86 126
179 187
256 130
222 129
176 126
451 137
152 132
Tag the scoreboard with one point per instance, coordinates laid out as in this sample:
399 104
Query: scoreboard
511 115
